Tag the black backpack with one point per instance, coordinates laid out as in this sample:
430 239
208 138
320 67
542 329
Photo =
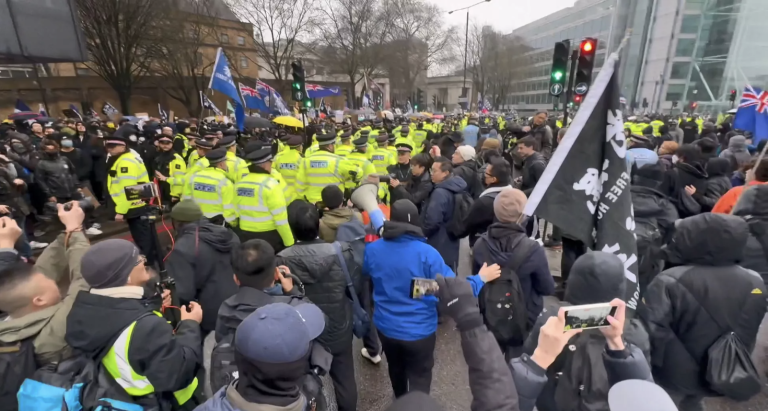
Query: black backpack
17 363
649 244
579 374
462 202
502 301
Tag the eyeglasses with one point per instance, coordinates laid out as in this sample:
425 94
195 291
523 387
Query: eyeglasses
489 175
141 261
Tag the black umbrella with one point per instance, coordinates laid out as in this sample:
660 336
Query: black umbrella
24 115
258 122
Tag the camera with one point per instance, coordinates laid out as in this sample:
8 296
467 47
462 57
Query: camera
86 204
384 178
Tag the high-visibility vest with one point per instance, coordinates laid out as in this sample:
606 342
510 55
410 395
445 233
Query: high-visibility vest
127 171
193 157
343 149
184 139
177 170
656 124
363 161
237 168
321 169
287 163
418 137
261 206
372 136
116 362
383 158
289 191
212 190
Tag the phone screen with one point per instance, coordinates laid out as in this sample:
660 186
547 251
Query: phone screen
588 316
421 287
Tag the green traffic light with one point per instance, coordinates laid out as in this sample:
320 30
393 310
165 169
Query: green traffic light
308 103
296 86
415 106
557 75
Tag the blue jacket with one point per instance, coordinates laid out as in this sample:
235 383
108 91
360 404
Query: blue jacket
470 134
391 262
436 216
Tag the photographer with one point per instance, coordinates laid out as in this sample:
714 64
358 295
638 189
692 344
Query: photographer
13 184
29 295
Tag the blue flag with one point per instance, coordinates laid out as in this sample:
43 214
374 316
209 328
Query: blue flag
752 114
76 111
240 116
41 110
20 106
252 98
221 79
318 91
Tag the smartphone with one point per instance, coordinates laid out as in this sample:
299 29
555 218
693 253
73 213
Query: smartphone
421 287
144 191
585 317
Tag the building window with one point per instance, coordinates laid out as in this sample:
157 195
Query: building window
225 39
690 24
679 70
83 71
685 47
694 5
675 92
243 62
240 41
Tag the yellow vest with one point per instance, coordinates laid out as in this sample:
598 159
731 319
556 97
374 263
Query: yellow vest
261 206
126 171
213 191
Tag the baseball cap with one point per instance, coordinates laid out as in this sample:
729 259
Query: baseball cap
279 333
404 211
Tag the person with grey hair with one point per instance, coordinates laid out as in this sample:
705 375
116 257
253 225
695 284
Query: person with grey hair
542 133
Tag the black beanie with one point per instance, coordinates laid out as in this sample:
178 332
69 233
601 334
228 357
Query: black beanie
596 277
332 197
404 211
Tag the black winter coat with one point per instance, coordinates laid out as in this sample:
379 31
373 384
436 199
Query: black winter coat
718 182
752 208
82 161
200 264
243 303
468 172
481 214
684 175
56 176
533 168
703 296
316 265
417 191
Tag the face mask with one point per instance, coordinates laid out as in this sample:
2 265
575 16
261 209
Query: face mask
67 143
141 139
133 138
674 159
19 148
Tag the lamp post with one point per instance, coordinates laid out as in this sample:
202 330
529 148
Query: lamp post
466 45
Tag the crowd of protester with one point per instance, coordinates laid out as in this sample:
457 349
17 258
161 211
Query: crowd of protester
286 249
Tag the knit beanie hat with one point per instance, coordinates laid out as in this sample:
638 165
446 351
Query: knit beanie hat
466 152
186 211
491 144
109 263
509 205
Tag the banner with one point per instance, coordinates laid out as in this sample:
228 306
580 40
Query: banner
221 78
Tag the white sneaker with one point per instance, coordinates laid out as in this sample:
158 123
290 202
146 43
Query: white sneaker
96 226
92 231
36 246
366 354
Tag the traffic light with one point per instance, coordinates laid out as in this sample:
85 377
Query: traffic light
298 87
645 102
584 68
732 97
559 67
694 105
419 98
434 101
577 99
674 104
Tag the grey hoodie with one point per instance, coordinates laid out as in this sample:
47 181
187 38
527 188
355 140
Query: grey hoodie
737 152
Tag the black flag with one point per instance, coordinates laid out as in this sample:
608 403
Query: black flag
585 188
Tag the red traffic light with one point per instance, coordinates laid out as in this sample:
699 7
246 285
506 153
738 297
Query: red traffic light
587 46
577 99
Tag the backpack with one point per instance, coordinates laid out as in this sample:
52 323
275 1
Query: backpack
17 363
502 301
581 378
462 203
649 243
353 232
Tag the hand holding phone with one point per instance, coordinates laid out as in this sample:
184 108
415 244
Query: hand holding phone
586 317
421 287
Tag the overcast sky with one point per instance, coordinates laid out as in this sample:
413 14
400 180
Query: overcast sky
503 15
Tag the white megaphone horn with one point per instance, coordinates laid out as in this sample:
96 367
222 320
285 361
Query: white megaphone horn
366 198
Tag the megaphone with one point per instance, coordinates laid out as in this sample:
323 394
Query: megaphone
366 198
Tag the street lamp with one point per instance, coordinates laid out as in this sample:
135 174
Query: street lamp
466 43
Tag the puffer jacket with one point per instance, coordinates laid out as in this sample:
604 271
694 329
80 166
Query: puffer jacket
417 192
468 172
737 153
316 265
332 219
56 176
718 182
704 295
752 208
438 213
533 168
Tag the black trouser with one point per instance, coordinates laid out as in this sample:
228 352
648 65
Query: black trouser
572 250
371 338
410 363
272 237
143 237
343 375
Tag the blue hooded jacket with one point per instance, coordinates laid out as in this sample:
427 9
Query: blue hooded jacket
438 213
401 255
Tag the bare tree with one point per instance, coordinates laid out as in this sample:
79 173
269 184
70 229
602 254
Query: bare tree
121 39
279 26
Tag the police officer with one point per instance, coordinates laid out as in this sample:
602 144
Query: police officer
419 135
391 144
260 202
324 168
287 162
346 146
203 146
180 141
237 168
191 153
213 191
361 159
124 170
657 123
170 170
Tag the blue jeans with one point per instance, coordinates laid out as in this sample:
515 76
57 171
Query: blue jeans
22 245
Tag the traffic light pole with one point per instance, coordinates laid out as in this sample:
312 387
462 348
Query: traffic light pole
569 90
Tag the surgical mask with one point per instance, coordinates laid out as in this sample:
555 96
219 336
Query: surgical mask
19 148
141 139
67 143
133 138
674 159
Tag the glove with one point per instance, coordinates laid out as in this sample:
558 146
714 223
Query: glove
458 302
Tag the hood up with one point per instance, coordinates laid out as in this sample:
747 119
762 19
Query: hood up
708 239
596 277
394 229
336 217
752 202
219 238
738 144
718 167
453 184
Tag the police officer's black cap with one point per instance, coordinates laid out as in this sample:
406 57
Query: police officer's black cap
258 152
361 141
325 139
216 156
207 144
382 137
293 140
163 137
115 140
365 133
404 131
392 138
404 147
377 122
230 132
346 135
456 137
193 135
227 141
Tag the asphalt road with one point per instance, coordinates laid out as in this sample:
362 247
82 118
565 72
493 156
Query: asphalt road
450 385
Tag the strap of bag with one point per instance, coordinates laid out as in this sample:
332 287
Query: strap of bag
523 250
343 263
